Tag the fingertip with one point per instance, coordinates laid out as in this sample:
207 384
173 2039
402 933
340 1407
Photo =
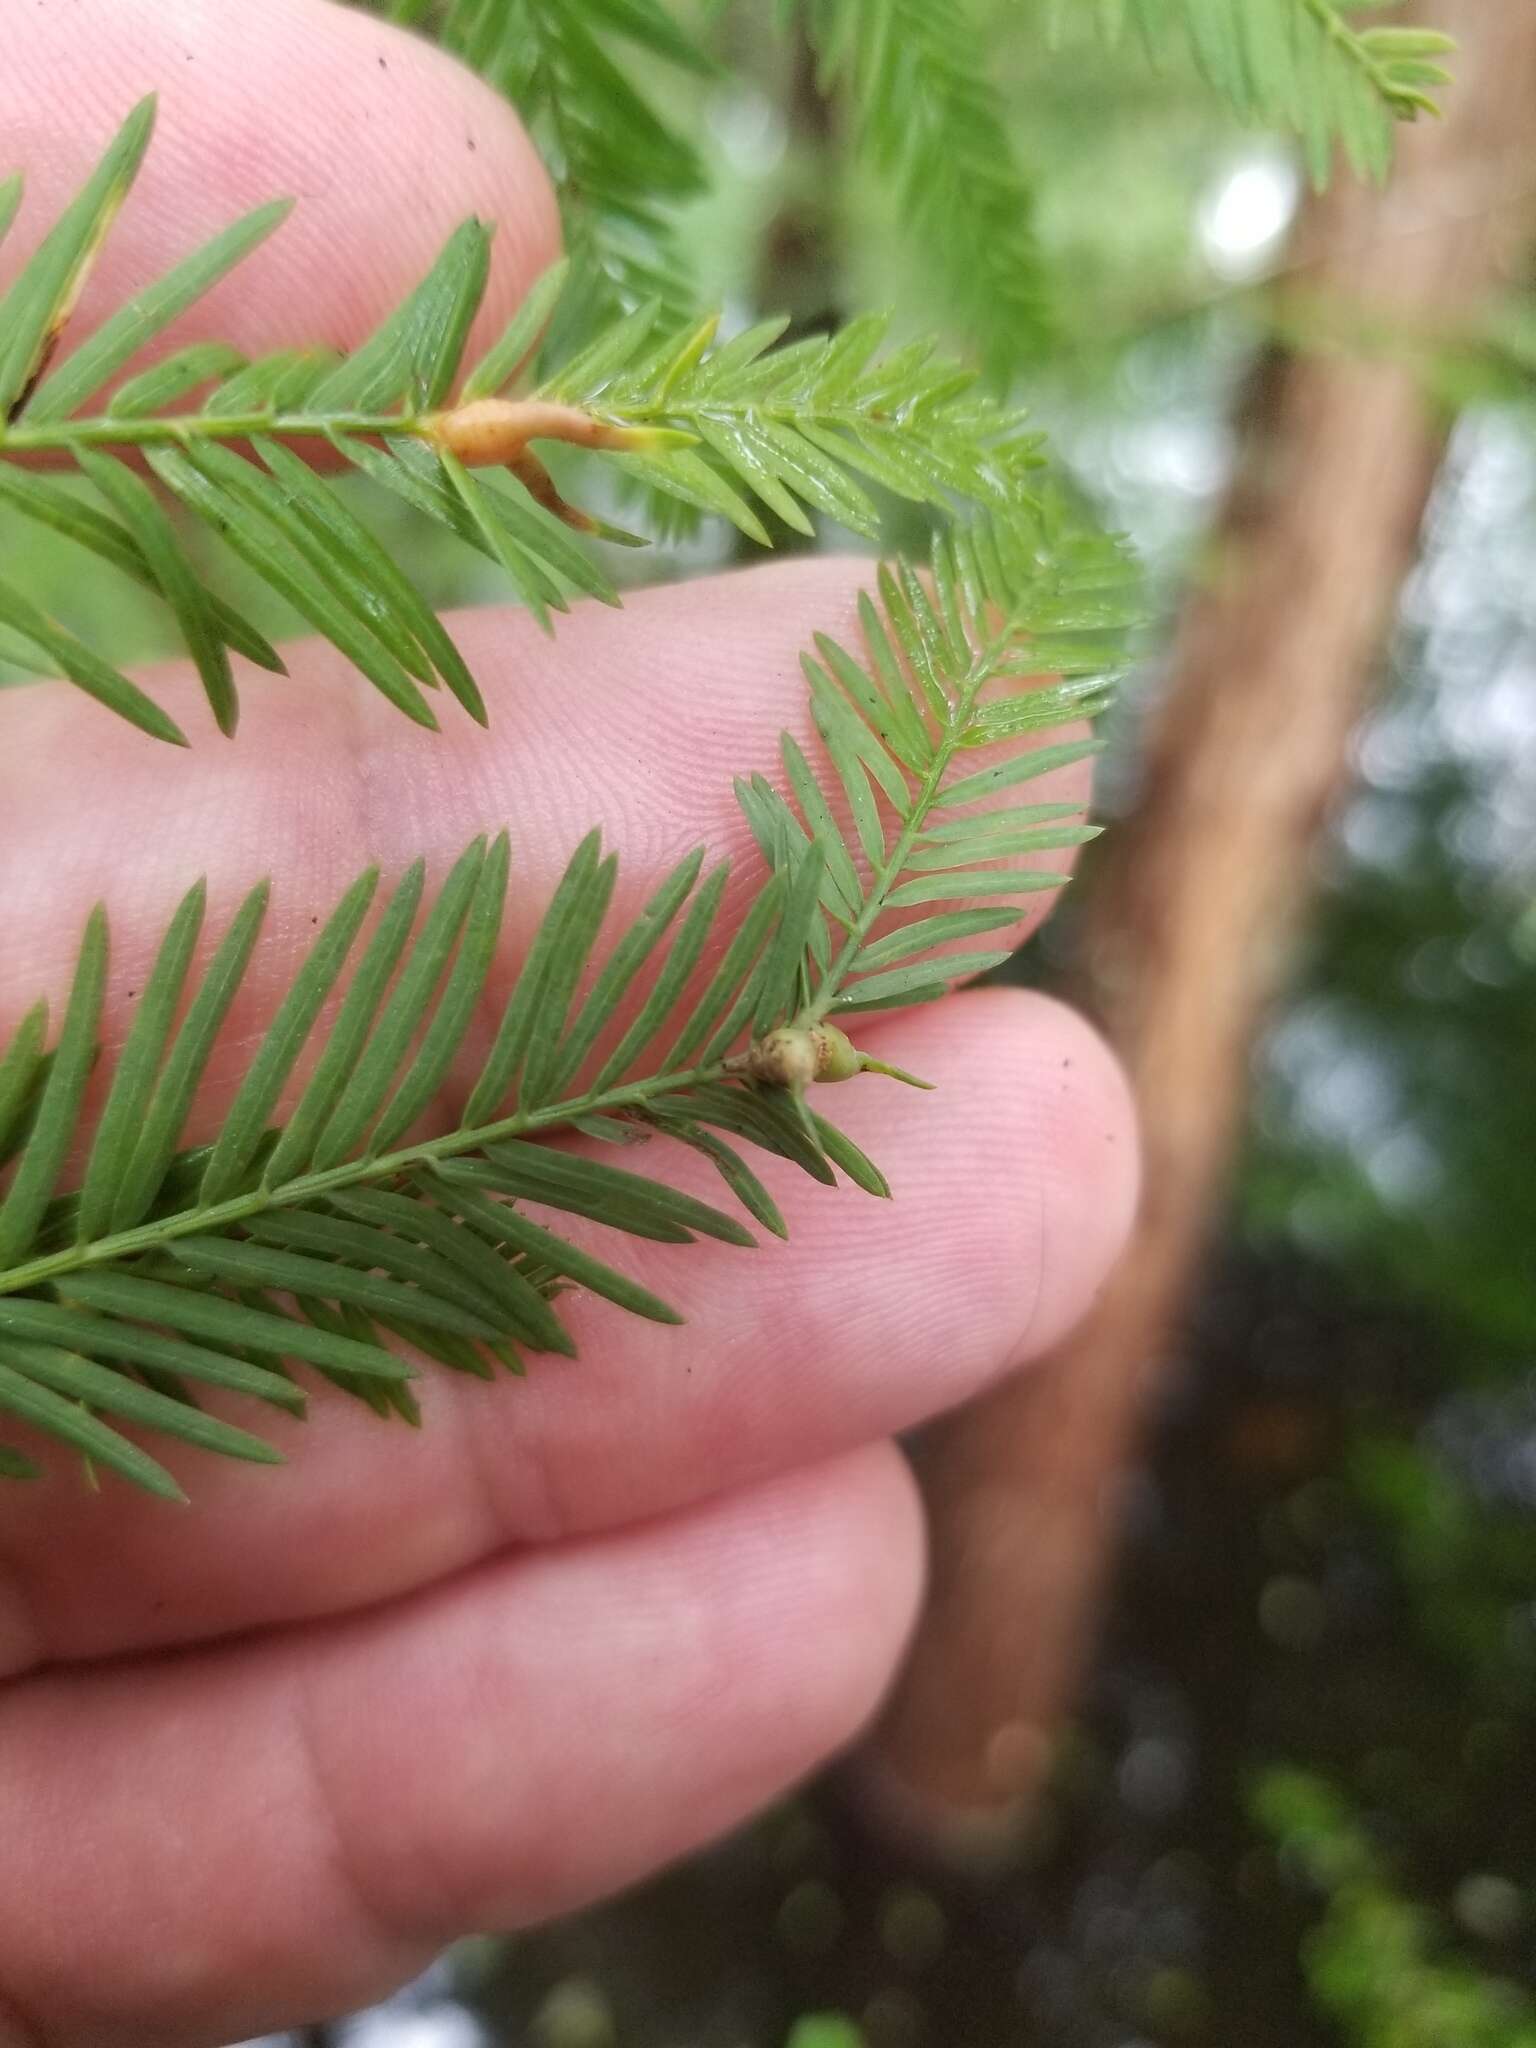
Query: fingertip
1090 1160
384 142
1035 1129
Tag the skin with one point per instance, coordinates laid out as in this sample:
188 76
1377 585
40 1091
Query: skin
259 1760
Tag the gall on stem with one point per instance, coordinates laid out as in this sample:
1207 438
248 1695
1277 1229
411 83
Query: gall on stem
495 433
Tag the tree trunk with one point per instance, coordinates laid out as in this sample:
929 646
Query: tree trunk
1195 910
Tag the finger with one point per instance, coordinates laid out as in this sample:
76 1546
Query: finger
636 721
1012 1190
386 144
306 1818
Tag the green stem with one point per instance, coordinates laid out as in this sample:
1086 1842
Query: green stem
145 1237
181 429
186 429
1401 102
982 669
1337 30
880 888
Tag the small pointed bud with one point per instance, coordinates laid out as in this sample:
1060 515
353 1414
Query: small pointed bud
839 1059
644 440
896 1073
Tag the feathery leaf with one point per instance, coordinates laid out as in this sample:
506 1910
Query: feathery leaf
821 426
930 120
330 1234
618 166
1298 63
34 311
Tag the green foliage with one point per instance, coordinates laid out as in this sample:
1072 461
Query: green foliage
320 1226
1298 64
322 1235
619 167
919 80
930 120
1376 1962
712 427
802 425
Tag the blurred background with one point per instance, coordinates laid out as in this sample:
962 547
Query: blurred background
1224 1728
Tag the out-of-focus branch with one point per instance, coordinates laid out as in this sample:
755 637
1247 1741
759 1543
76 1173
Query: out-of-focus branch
1193 915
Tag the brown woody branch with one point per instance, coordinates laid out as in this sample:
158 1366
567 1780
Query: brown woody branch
1194 915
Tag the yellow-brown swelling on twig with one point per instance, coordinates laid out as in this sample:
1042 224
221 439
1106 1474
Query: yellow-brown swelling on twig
794 1056
495 432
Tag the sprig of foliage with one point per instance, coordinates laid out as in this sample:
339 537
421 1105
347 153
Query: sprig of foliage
930 120
715 427
330 1233
1298 64
1006 598
619 167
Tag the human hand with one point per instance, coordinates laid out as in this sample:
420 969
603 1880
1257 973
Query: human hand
259 1760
